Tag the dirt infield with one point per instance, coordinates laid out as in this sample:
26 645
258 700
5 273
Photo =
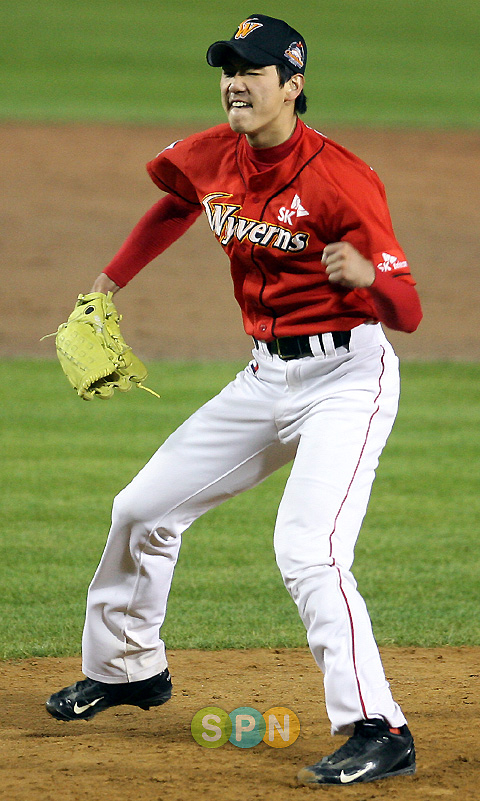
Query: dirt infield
72 194
130 754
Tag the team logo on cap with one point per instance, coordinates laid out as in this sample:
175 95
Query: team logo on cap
295 54
247 27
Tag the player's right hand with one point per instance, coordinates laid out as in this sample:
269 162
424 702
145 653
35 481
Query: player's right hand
346 266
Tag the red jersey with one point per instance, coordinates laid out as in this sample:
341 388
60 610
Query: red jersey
273 211
274 223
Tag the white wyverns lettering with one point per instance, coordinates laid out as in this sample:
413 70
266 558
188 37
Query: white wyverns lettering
226 224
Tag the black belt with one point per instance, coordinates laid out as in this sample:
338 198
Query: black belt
298 347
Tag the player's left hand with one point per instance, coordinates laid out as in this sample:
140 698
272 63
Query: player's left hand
92 351
346 266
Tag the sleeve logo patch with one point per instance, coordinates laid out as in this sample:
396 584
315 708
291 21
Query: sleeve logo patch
390 263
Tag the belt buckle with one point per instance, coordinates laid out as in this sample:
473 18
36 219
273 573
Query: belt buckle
298 347
285 356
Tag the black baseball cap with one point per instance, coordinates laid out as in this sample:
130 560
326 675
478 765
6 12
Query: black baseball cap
262 41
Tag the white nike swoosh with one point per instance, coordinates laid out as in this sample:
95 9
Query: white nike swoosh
79 709
345 778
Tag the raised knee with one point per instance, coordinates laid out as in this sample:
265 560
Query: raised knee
131 512
124 509
119 508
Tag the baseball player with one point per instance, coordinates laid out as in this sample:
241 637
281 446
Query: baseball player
316 269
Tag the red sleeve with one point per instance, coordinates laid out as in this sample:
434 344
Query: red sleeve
396 301
362 218
168 170
162 225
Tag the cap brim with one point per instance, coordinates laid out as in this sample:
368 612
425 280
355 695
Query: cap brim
219 53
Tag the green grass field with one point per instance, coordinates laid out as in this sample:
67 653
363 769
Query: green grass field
63 460
371 62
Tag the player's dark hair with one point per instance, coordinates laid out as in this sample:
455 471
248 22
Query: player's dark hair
284 75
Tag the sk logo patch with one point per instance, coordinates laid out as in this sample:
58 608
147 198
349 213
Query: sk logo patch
390 263
295 210
247 27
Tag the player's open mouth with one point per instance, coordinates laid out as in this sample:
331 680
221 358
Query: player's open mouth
240 104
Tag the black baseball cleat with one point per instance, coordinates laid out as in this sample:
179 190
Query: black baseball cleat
86 698
372 752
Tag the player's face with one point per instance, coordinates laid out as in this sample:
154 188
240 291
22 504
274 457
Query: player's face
256 104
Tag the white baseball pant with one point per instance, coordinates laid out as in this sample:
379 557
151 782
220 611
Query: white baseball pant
332 415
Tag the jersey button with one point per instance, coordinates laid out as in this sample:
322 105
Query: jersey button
263 327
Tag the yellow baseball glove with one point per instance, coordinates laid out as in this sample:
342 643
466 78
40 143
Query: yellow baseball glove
92 351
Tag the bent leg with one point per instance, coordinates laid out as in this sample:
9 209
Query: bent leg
227 446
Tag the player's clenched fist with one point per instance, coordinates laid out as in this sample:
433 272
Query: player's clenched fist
346 266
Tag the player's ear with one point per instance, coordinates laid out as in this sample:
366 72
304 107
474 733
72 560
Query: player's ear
295 86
